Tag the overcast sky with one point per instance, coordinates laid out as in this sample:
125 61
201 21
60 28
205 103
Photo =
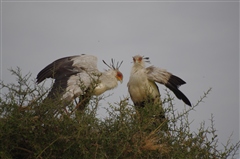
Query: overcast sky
197 41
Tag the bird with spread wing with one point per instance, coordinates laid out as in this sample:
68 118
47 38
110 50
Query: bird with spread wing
142 83
77 76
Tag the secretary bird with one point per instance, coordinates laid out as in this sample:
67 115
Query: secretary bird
78 76
142 83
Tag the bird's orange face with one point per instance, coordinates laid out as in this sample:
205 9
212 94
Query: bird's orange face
119 76
137 59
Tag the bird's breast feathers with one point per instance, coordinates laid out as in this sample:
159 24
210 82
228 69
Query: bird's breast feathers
99 89
140 87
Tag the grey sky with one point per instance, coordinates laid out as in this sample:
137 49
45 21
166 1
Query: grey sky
197 41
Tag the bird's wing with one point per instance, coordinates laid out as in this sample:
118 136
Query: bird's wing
86 62
58 88
169 80
67 66
57 69
73 75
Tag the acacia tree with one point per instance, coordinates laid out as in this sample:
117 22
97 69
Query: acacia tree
31 128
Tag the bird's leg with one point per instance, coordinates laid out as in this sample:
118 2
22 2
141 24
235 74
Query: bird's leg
83 100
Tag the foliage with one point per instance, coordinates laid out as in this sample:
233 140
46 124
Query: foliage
31 127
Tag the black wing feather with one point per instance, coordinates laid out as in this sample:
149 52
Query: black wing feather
57 69
58 88
173 83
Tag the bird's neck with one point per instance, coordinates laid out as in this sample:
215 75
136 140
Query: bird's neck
137 67
107 82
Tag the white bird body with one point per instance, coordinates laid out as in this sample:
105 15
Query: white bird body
75 75
142 87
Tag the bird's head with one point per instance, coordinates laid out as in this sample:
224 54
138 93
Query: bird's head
140 60
115 69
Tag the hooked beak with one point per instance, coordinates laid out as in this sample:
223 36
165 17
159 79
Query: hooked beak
120 79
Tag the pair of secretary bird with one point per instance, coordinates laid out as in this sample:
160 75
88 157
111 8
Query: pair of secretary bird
76 75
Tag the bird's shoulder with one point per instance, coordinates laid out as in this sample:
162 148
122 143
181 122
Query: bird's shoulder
85 61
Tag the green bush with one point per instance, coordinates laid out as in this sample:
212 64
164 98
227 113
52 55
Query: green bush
31 127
